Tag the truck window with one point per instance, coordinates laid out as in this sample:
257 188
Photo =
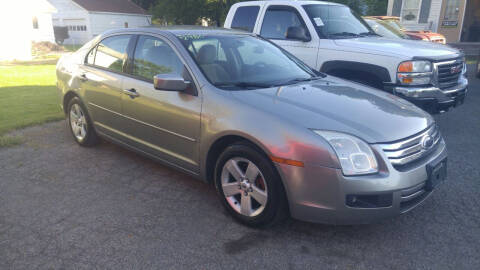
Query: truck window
277 20
332 21
245 18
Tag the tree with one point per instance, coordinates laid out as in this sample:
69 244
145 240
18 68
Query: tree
190 11
179 11
376 7
217 10
356 5
145 4
366 7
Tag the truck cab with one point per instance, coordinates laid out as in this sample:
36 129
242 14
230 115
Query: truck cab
333 39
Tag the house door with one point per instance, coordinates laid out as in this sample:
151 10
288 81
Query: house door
451 19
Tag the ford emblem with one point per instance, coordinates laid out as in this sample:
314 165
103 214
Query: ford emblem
427 142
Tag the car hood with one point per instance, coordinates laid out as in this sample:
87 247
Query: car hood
338 105
400 47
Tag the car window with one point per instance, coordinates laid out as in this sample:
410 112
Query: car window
196 45
111 52
277 21
153 56
245 18
250 61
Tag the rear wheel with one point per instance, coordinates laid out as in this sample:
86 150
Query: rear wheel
80 123
249 186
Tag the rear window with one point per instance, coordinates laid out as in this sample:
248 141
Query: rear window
245 18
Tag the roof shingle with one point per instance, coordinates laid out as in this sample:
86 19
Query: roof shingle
115 6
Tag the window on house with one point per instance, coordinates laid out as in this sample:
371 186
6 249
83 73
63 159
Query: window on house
35 22
245 18
410 10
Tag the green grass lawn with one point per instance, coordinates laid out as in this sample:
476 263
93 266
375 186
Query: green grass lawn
28 96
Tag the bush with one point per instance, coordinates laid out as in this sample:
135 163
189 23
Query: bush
45 47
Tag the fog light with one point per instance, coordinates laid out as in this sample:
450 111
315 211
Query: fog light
369 201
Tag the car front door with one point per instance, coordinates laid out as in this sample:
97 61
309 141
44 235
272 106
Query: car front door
102 82
275 23
163 123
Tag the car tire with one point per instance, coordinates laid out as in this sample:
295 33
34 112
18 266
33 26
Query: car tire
80 123
249 186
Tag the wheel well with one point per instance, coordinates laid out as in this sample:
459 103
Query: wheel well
218 147
66 99
369 74
358 76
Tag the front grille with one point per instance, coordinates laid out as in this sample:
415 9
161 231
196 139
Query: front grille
448 73
406 151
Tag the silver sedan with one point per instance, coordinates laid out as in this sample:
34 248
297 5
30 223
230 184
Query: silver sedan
274 137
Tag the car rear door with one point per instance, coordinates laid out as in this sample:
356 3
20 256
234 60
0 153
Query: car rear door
102 82
274 24
162 123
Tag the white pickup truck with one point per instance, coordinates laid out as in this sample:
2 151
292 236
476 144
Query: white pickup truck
333 39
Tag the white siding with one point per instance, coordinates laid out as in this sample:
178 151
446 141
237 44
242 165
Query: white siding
45 28
435 14
390 7
71 14
435 9
17 26
105 21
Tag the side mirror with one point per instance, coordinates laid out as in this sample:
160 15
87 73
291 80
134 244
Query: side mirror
297 33
170 82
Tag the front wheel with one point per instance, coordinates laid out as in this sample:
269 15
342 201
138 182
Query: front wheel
80 124
249 186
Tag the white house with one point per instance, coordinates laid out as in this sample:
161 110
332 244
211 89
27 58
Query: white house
86 19
21 22
458 20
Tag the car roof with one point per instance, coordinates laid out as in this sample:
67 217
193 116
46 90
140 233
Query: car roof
181 30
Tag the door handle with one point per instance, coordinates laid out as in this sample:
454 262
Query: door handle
131 92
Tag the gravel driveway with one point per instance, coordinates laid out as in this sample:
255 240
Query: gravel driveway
63 206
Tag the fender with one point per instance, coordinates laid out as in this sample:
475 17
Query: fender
378 71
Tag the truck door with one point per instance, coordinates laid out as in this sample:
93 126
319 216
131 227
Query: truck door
275 23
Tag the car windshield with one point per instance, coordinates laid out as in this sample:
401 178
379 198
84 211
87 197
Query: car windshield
385 30
239 62
335 21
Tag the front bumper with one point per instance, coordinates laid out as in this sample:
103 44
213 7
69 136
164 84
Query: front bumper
320 194
433 99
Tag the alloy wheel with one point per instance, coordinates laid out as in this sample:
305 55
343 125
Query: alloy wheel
78 122
244 186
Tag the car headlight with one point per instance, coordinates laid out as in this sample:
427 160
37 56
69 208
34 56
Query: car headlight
355 156
464 69
415 73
